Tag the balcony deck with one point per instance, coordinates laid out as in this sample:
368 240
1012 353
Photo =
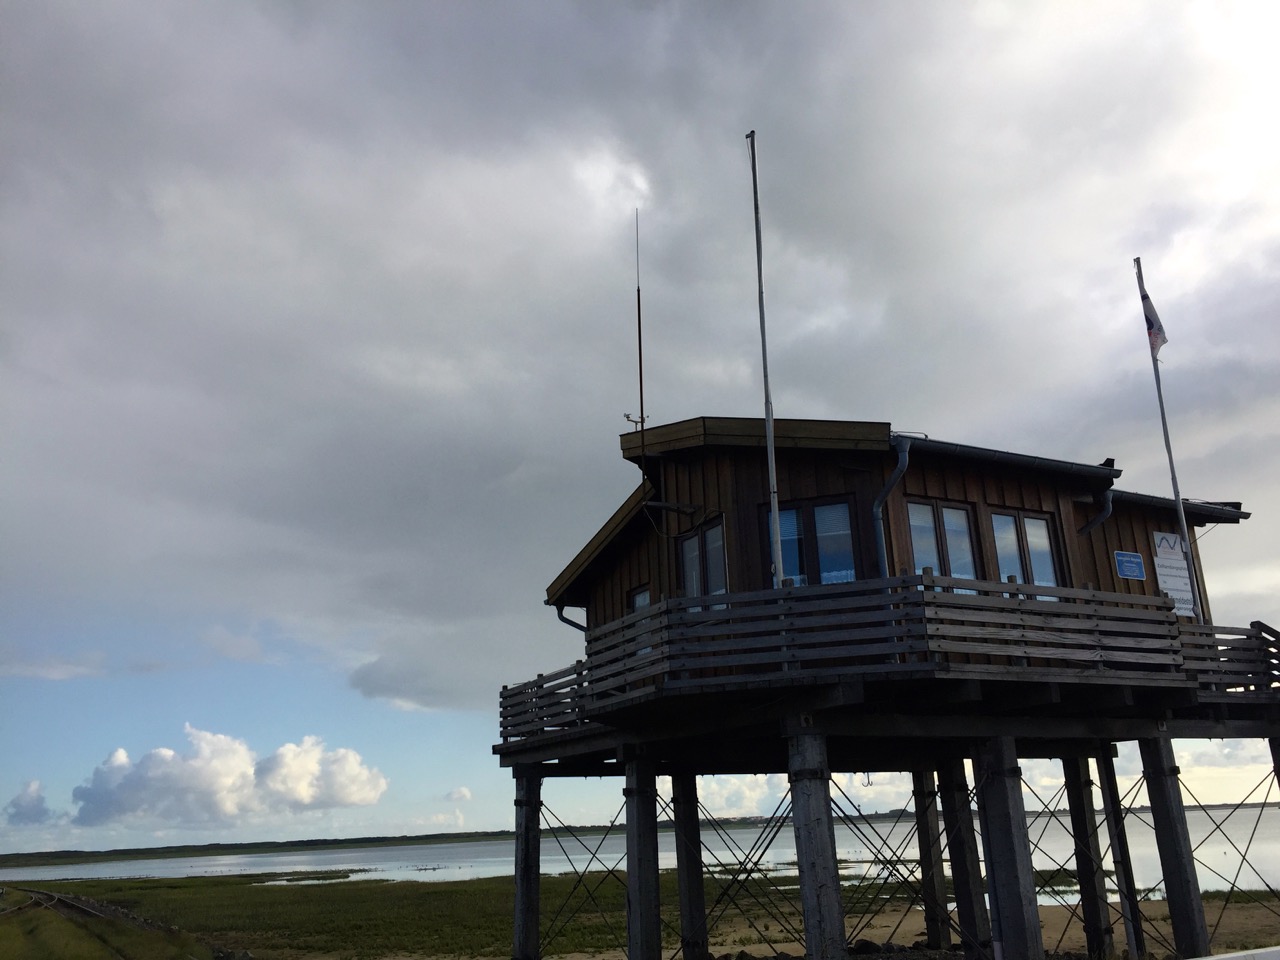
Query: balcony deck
904 633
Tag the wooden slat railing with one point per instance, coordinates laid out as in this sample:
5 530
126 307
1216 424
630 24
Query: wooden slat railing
907 626
1232 659
547 703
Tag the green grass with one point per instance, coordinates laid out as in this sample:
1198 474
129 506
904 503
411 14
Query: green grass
374 918
366 918
38 934
358 918
1241 896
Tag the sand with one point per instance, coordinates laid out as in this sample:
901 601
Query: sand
1241 926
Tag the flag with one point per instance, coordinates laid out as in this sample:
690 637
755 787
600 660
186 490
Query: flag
1155 329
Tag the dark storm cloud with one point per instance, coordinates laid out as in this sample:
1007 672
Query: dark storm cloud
321 315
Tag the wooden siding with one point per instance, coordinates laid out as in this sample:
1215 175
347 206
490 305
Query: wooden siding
730 484
985 488
1129 528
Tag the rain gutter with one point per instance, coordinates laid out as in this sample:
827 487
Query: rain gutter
903 445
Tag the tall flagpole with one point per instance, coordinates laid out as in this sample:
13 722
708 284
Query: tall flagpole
1156 336
775 522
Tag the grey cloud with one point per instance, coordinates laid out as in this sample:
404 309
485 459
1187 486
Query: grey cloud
28 807
316 320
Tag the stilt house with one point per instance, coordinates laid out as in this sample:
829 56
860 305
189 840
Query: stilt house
938 603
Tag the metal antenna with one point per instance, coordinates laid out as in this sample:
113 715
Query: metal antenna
639 423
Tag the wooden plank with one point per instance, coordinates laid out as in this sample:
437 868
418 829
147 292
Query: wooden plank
832 637
794 656
1053 616
1100 655
789 679
997 638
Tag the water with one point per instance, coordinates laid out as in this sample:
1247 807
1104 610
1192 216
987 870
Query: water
862 852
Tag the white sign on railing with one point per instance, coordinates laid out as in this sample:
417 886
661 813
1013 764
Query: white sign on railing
1171 572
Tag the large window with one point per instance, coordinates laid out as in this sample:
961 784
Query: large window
1024 548
942 539
702 566
817 543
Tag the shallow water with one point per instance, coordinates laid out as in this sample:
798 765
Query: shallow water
872 849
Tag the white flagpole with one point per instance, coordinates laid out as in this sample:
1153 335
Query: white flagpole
775 522
1155 334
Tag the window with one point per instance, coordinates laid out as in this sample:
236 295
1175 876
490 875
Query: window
817 543
942 539
702 567
638 599
1024 549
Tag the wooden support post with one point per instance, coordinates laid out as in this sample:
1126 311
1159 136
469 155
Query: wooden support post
933 883
816 846
1274 743
1121 861
962 848
644 923
527 940
1011 882
1177 863
693 902
1090 875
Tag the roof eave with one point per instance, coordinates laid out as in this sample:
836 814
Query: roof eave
561 591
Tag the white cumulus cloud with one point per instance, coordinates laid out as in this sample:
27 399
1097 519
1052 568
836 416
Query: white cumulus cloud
458 795
221 780
748 795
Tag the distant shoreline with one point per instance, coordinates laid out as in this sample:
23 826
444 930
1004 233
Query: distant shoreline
51 858
58 857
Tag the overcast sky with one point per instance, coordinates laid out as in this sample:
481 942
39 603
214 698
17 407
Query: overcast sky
318 330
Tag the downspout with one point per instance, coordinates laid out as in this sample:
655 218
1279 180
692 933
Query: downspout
1097 521
903 446
564 619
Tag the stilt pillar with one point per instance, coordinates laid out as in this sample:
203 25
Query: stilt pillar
816 845
526 940
962 847
1011 882
1121 861
1092 879
693 901
1177 862
644 924
933 883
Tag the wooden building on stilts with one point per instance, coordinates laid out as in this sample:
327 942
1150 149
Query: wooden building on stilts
945 610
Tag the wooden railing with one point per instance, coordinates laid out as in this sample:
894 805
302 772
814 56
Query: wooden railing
1232 660
918 626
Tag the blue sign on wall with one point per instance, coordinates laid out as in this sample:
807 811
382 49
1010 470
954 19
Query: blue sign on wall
1130 565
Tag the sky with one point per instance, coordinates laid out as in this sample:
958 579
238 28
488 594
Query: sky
317 333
